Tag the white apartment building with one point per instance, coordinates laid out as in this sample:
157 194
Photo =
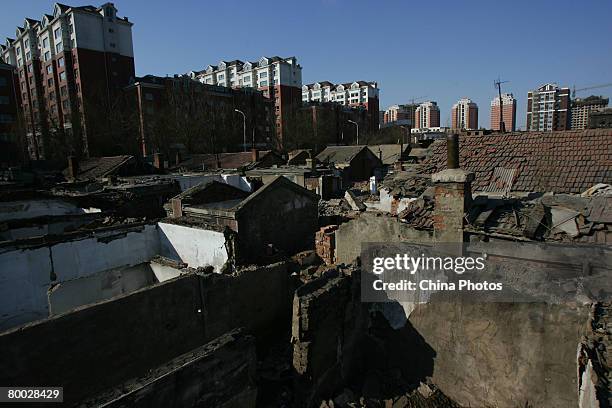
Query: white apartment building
264 73
349 94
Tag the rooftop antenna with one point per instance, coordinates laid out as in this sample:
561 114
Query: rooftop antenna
497 84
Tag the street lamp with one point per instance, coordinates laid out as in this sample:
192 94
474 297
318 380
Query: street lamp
357 125
243 127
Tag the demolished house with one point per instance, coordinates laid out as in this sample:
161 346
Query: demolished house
357 162
258 222
296 331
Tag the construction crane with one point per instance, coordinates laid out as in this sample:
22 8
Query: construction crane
497 84
574 90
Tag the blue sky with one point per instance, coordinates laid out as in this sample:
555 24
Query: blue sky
440 50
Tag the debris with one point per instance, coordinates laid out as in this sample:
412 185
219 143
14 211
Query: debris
354 201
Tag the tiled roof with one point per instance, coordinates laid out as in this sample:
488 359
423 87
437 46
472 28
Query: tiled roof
561 162
391 153
339 154
229 160
95 167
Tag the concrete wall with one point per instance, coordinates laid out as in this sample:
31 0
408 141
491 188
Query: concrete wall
504 354
194 246
387 203
27 273
373 228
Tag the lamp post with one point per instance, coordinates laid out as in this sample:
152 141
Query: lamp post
357 126
243 127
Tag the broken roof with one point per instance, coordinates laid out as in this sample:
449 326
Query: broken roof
96 167
235 160
560 162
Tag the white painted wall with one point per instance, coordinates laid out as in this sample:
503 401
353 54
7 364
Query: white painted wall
164 272
385 200
193 246
26 274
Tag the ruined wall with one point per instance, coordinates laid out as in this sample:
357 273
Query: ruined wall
97 347
328 328
194 246
256 298
507 354
372 227
27 273
219 374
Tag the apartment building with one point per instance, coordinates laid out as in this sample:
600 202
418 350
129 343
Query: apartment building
548 108
508 104
9 117
358 95
214 125
582 108
70 65
279 79
400 115
464 115
427 115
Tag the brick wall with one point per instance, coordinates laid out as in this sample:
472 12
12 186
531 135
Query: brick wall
325 243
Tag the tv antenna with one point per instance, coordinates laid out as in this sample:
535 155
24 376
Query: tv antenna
497 84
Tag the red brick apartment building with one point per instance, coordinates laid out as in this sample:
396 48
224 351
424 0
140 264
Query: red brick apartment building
509 107
162 105
71 65
277 78
10 145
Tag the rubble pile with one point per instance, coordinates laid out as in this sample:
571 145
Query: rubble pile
406 184
419 213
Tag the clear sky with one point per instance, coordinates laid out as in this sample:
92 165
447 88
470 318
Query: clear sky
439 50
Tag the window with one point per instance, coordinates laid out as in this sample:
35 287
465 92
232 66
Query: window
263 74
263 83
49 69
64 90
112 45
110 30
6 118
58 33
70 28
50 82
65 104
60 62
149 96
47 56
62 76
19 63
30 68
18 50
220 77
26 43
51 95
58 47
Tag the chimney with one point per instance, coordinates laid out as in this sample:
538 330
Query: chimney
73 167
453 196
311 164
254 155
158 161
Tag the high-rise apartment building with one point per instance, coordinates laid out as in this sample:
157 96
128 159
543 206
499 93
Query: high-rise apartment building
400 115
427 115
358 94
582 108
280 79
509 112
71 64
10 145
548 108
464 115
